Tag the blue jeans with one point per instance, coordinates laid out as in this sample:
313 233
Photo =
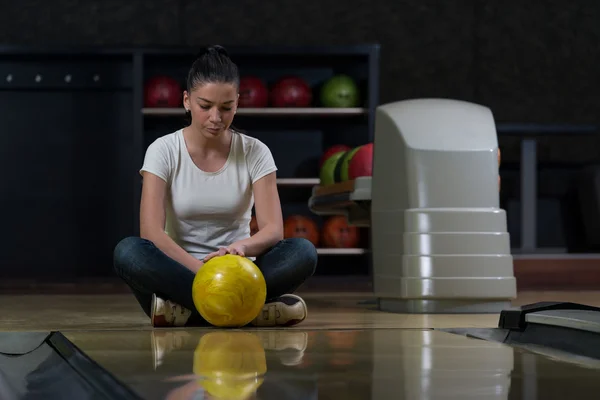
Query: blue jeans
147 270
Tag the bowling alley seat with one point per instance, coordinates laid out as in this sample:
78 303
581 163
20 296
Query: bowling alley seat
439 239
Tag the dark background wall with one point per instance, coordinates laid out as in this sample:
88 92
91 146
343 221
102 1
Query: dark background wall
534 61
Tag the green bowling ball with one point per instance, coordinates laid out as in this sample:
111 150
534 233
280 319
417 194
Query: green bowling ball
327 174
340 91
345 162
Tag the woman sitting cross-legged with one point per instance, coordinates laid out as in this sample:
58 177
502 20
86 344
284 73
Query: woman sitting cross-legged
199 186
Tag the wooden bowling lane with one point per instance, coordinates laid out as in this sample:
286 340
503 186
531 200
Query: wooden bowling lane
329 364
326 311
81 312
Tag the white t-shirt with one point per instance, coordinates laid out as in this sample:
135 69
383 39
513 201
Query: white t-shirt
207 210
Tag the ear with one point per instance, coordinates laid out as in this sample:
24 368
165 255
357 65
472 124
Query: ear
186 100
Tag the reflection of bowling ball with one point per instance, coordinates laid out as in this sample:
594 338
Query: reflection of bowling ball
253 92
230 365
499 161
341 360
340 91
331 151
229 291
342 340
291 92
362 162
253 226
162 91
327 174
341 345
301 226
337 233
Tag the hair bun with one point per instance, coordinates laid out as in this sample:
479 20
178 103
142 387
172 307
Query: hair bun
212 64
220 49
214 50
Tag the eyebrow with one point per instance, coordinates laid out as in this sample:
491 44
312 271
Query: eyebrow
208 101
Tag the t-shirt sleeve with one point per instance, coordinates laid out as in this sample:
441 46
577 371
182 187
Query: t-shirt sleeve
260 161
157 160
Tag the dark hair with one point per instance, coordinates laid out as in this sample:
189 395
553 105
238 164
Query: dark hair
213 65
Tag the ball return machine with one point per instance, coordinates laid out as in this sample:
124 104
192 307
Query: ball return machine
439 241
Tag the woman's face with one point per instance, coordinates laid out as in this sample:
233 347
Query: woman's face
212 106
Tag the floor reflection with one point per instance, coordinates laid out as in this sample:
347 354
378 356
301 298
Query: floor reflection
349 364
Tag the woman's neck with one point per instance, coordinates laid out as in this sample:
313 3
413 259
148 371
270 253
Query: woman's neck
198 143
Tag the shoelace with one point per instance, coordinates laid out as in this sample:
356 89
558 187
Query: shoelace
176 311
271 312
173 311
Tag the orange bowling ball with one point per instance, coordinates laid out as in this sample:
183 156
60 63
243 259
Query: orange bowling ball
253 226
338 233
301 226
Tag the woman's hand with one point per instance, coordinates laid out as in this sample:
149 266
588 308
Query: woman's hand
234 248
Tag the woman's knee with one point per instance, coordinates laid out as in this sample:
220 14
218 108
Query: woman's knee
127 253
305 254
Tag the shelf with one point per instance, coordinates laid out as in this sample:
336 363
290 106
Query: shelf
333 252
351 199
316 111
298 181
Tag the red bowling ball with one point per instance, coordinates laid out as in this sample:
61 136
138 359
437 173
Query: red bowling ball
291 92
253 92
162 91
362 162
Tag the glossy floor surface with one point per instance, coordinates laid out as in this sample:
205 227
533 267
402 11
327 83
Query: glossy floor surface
336 364
345 350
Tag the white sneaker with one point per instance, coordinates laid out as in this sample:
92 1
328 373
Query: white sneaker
286 310
165 313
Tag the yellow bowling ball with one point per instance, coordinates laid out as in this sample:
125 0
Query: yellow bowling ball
229 291
230 365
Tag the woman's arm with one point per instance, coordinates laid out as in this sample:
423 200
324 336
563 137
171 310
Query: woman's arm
152 222
268 217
